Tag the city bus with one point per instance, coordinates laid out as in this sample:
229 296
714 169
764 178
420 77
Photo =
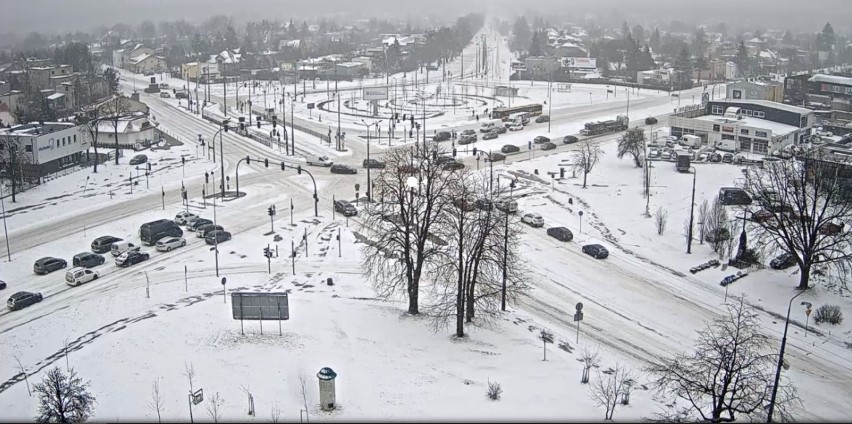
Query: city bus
504 112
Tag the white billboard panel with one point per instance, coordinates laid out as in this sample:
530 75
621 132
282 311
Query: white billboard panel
375 93
579 62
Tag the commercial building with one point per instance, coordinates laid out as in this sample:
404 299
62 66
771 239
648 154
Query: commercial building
819 91
772 91
754 126
44 147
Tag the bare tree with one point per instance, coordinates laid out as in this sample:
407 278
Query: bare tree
412 190
805 205
632 143
717 226
661 218
156 404
189 373
24 373
590 359
702 218
609 386
494 390
63 398
276 413
730 375
546 337
587 157
304 388
687 234
214 406
114 111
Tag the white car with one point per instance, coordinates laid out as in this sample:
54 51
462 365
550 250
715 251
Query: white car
76 276
184 218
533 219
517 126
166 244
666 154
653 153
320 161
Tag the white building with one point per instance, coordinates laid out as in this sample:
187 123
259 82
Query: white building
730 70
46 147
132 130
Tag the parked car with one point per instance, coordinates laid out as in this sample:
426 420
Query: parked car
541 140
560 233
783 261
181 95
569 139
653 153
48 264
510 148
596 251
204 232
166 244
666 155
373 163
2 285
738 196
467 139
407 169
830 228
150 232
490 135
185 218
103 244
123 246
131 258
516 126
22 299
138 160
501 129
442 136
87 260
762 215
345 207
217 236
495 157
464 204
194 225
506 205
452 166
533 219
542 118
467 132
440 160
650 120
727 157
715 157
165 94
342 169
76 276
548 146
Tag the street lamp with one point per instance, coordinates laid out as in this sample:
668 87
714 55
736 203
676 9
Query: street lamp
691 209
369 181
771 408
476 153
5 229
221 150
506 247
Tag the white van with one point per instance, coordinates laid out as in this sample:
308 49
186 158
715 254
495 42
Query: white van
489 125
76 276
690 140
120 247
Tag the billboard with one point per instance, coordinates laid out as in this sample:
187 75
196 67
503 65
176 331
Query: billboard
260 306
375 93
519 66
579 62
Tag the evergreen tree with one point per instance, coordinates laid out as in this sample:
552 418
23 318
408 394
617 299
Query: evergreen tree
521 34
655 40
787 39
535 44
639 34
742 59
683 68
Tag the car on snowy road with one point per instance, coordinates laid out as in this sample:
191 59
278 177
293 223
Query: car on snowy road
22 299
510 148
596 251
533 219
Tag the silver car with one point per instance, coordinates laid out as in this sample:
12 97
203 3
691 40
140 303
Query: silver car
166 244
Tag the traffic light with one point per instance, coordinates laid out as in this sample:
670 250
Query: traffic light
226 128
266 162
529 145
561 172
474 151
283 166
258 124
299 169
434 155
206 178
183 160
242 126
417 125
149 166
269 211
412 119
266 252
248 160
454 152
404 117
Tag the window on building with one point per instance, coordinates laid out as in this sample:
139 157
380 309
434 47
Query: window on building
759 114
760 134
716 127
747 112
745 143
761 146
63 141
743 131
717 110
57 143
727 137
28 148
75 138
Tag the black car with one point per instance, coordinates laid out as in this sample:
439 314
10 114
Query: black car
371 163
217 237
48 264
103 244
490 135
715 157
195 225
138 159
542 118
2 285
509 148
496 157
570 139
209 229
560 233
346 208
596 251
783 261
548 146
467 139
541 140
501 129
452 166
343 169
650 120
181 95
22 299
87 260
440 160
134 258
442 136
483 204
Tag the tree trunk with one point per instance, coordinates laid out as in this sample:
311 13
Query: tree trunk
116 141
95 144
584 178
413 290
460 293
804 276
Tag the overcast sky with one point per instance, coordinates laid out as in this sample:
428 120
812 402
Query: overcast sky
70 15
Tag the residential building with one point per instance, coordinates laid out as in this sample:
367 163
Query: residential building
772 91
569 49
350 70
655 77
753 126
132 130
121 57
47 146
368 63
193 70
731 70
146 63
819 91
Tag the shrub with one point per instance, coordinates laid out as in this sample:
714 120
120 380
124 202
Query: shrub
828 313
494 390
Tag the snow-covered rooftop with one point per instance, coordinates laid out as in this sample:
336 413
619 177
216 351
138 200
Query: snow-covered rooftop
776 128
831 79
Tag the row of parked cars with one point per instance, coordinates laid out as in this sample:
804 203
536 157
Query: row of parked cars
164 235
565 235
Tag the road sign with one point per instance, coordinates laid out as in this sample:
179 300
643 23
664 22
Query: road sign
578 316
357 187
310 105
198 397
260 306
579 306
224 280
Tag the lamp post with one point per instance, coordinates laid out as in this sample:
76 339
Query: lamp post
221 149
238 95
369 181
691 209
476 153
5 229
216 239
292 130
506 249
771 408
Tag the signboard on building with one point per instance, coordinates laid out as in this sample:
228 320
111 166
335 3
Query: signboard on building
260 306
728 129
579 62
519 66
375 93
761 134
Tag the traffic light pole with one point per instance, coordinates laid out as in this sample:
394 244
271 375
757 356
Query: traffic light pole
248 160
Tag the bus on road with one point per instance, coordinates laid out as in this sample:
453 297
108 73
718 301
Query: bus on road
503 113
